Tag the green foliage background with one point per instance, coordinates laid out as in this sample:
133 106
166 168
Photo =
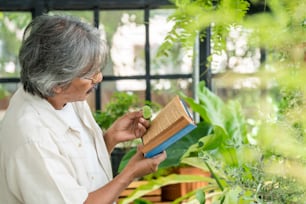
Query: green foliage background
262 162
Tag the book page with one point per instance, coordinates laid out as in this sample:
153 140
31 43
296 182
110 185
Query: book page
170 119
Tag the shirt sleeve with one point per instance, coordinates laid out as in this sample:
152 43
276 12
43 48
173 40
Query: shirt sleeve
38 174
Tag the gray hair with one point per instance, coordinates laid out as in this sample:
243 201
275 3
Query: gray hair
57 49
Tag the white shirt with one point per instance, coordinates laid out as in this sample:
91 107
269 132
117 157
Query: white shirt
43 159
95 171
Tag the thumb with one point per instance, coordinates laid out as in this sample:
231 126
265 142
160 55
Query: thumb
139 149
160 157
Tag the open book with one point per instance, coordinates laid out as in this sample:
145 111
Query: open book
172 123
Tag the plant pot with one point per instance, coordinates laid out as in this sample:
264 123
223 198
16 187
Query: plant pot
116 157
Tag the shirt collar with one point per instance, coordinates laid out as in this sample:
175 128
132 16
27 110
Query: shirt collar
47 112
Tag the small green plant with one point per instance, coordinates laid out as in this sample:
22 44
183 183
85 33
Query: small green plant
147 112
120 103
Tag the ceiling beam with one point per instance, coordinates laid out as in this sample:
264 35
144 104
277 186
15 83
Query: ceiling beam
30 5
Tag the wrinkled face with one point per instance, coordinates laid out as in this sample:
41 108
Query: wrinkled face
80 88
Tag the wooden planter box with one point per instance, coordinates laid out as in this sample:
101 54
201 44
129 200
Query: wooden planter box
154 196
174 191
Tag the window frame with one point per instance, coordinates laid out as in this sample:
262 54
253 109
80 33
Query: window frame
38 8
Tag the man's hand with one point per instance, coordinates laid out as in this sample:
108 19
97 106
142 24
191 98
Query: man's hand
139 166
128 127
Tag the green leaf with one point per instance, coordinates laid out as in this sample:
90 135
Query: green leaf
147 112
163 181
229 156
227 122
126 158
200 195
142 201
195 162
232 195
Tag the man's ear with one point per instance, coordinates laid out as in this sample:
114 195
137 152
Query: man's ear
58 89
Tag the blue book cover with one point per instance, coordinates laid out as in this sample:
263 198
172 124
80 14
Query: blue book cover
172 123
163 146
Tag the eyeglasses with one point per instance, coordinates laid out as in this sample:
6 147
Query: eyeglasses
95 78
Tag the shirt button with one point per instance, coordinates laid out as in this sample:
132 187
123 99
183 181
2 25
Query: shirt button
80 145
92 177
